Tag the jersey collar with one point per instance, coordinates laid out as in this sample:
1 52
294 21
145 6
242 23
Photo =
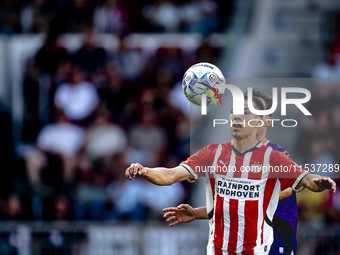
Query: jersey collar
239 154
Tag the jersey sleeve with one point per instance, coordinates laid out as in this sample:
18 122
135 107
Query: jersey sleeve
298 188
285 169
198 163
283 150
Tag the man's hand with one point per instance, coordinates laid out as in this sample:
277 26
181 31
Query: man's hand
325 183
135 170
180 214
317 183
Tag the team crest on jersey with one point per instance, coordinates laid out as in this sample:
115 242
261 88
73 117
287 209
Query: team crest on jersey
255 168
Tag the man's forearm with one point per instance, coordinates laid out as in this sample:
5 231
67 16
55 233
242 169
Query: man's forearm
159 176
201 213
165 176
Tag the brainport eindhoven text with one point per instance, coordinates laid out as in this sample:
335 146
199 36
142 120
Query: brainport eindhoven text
246 190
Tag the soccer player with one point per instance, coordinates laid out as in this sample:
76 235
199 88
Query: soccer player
246 183
285 218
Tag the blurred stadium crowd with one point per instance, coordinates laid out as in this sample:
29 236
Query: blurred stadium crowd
35 16
106 109
319 140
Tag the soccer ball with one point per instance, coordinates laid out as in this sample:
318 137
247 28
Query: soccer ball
200 79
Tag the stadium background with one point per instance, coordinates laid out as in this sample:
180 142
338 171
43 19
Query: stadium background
62 188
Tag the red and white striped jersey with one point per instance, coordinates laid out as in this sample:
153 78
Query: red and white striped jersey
242 192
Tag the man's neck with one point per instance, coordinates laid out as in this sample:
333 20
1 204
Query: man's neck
261 137
245 143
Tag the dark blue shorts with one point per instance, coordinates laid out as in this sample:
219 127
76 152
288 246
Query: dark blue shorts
284 237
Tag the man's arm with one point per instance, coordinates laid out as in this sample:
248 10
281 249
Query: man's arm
297 176
316 183
160 175
285 193
184 213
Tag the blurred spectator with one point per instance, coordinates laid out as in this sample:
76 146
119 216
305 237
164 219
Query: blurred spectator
111 17
90 198
169 61
305 212
206 52
332 207
163 16
77 98
50 55
37 16
9 17
329 68
325 97
31 123
114 93
178 100
310 206
130 200
126 199
79 15
58 208
105 144
103 138
130 60
14 209
146 138
163 83
90 57
60 138
62 73
200 16
320 154
62 208
159 197
104 161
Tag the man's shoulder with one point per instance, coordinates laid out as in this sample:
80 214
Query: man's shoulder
277 147
215 146
278 156
211 149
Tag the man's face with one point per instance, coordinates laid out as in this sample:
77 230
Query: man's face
239 124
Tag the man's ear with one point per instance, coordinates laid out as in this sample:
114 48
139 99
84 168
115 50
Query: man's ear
260 121
268 122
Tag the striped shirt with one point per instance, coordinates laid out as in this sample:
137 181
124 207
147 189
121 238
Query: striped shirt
243 189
